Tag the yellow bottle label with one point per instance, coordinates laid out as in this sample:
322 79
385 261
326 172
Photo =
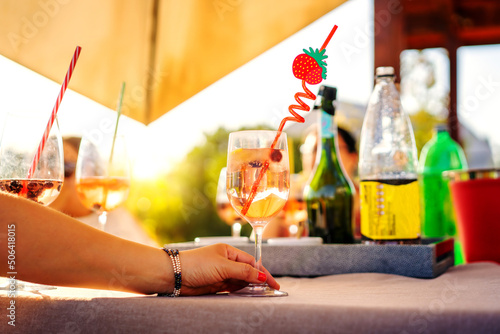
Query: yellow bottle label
388 211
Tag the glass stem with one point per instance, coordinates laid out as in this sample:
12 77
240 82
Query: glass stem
258 246
103 217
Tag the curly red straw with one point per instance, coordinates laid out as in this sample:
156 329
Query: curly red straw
302 106
295 117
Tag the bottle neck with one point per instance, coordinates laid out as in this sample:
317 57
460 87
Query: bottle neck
442 135
327 141
328 128
386 79
327 156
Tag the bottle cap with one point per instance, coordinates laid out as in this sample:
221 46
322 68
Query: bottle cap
327 101
441 128
329 93
384 71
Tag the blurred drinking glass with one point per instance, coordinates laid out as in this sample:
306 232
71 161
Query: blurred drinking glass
21 135
295 208
224 208
102 173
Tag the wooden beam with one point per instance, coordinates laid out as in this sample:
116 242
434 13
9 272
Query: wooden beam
452 44
389 36
479 35
465 36
427 40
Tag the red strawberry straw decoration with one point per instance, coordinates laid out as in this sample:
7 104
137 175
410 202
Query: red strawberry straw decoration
310 68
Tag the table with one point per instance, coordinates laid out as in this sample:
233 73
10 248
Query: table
465 299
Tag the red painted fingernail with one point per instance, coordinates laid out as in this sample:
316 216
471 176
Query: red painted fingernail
262 277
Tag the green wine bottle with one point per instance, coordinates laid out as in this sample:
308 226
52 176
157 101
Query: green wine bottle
329 192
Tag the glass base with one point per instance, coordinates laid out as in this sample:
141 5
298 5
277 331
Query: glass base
259 290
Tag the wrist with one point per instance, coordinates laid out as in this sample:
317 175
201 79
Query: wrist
176 266
159 275
166 281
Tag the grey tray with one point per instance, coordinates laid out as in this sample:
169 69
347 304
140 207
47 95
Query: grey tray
428 260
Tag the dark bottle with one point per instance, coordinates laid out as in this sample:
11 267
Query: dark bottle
329 192
389 193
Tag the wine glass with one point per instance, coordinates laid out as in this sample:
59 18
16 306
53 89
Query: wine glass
224 208
102 173
258 183
21 136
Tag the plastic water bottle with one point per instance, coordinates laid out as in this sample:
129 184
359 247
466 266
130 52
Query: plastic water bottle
388 160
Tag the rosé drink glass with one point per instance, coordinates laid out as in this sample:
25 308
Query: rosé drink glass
21 135
258 183
102 173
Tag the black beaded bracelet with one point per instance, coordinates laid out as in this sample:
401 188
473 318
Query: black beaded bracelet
176 263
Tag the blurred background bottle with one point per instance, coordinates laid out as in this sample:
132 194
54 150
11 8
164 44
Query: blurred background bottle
439 154
388 160
295 209
329 192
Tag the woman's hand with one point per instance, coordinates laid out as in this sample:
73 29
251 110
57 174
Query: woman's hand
75 254
219 268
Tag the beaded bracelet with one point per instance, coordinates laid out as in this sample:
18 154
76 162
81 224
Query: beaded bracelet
176 263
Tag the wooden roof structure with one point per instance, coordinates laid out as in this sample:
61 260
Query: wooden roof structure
419 24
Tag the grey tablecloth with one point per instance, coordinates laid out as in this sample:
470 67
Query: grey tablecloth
465 299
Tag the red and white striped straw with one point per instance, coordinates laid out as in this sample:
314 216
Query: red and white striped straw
54 112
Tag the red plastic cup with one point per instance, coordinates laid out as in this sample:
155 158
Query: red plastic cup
476 201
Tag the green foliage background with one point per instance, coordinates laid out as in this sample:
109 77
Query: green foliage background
180 205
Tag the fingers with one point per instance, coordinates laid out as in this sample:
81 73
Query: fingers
240 256
220 267
270 279
244 272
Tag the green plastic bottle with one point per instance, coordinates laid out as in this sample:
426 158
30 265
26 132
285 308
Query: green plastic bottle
329 192
439 154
